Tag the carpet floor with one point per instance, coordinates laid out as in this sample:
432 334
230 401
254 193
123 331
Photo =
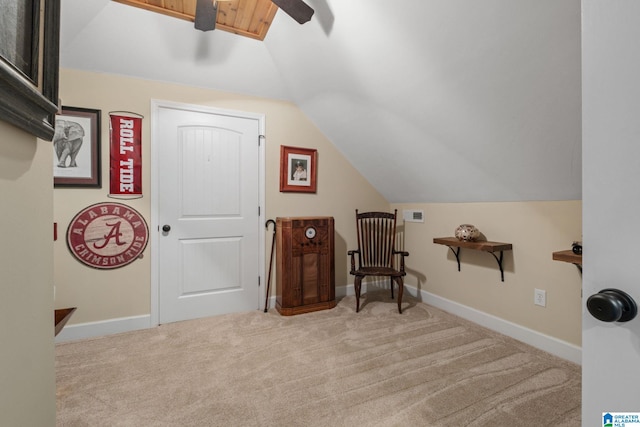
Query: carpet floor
334 367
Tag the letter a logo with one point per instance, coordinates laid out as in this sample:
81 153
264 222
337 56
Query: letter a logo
114 233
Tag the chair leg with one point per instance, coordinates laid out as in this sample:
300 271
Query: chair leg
357 285
391 283
400 290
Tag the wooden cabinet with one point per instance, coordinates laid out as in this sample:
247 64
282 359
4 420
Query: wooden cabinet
305 266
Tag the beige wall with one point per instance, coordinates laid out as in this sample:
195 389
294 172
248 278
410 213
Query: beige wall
102 295
536 230
27 393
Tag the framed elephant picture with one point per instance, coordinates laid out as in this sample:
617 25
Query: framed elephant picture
76 148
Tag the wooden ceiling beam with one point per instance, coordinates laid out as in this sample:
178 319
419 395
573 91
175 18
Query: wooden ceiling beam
248 18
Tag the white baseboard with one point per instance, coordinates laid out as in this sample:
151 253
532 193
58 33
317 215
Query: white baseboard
105 327
536 339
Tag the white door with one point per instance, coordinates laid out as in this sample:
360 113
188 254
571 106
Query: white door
611 202
207 212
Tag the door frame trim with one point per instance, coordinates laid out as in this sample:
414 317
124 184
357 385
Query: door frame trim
154 233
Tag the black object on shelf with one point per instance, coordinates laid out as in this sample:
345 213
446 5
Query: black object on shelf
576 248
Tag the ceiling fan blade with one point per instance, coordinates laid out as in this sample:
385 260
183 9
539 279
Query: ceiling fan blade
297 9
206 14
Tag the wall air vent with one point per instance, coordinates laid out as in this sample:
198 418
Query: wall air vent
412 215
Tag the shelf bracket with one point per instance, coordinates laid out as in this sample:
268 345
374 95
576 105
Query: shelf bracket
457 254
499 259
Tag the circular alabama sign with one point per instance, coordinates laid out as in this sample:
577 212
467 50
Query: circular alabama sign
107 235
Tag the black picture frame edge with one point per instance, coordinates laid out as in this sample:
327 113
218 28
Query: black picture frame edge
51 56
22 103
96 166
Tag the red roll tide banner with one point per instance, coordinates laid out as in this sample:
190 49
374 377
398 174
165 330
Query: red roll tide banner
126 155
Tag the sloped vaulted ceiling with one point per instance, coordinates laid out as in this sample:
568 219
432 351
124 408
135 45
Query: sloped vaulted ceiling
431 100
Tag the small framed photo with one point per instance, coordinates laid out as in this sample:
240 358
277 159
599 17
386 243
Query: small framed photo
298 169
76 148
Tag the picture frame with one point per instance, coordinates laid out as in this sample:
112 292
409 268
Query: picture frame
29 65
76 148
298 169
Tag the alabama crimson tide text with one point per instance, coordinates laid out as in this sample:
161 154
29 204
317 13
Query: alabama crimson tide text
107 235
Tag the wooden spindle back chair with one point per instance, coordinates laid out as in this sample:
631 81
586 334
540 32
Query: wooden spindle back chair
376 253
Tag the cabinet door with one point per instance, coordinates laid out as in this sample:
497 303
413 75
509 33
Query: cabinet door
311 245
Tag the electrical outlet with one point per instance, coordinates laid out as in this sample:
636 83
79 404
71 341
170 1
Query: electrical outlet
540 297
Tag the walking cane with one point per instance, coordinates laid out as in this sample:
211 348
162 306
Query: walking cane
273 243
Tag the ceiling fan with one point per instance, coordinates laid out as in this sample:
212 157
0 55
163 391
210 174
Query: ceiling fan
207 12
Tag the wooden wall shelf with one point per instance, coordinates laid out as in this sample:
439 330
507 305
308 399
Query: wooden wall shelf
490 247
60 318
569 256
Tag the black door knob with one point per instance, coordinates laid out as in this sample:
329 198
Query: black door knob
166 228
612 305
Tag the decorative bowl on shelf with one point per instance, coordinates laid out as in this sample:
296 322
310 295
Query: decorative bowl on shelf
467 232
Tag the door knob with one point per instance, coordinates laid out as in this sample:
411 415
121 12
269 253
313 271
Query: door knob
166 228
612 305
